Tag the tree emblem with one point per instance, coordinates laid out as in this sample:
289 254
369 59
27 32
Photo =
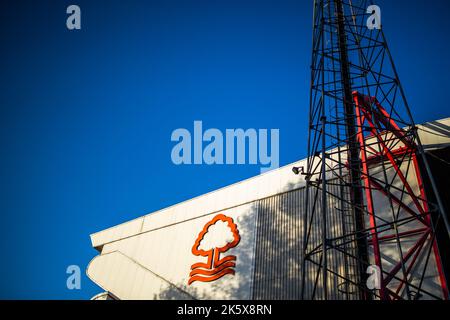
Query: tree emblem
218 236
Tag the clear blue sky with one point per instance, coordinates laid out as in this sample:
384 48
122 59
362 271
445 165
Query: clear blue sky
86 116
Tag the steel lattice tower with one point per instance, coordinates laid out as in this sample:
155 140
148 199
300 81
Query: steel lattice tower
366 203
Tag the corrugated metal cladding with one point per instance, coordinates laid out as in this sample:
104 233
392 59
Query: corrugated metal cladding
279 242
278 250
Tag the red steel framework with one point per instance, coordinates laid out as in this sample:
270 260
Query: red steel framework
389 145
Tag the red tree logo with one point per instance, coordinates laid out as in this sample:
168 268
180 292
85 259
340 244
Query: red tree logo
218 236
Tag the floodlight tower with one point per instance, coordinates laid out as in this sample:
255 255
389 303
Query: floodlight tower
369 227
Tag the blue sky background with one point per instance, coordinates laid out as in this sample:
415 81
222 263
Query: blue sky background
86 116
